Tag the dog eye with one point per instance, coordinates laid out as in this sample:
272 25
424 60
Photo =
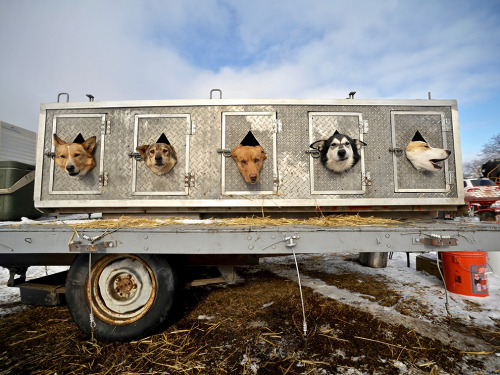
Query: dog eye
76 155
61 156
151 152
243 162
256 160
346 144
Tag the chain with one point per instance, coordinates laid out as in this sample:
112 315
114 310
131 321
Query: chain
91 315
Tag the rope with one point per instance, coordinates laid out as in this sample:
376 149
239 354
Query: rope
446 304
304 326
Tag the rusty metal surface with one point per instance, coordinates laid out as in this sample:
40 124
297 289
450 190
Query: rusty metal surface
100 308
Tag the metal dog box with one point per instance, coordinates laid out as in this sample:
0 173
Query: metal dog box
16 191
206 179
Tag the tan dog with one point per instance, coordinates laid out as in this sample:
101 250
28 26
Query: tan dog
250 160
159 157
75 158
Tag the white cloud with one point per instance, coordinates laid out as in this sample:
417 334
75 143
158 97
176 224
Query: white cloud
119 50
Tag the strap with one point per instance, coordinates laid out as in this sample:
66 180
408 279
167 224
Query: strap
23 181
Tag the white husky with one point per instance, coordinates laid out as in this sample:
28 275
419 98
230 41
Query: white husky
424 157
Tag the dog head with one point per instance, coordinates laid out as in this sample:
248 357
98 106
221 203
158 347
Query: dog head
339 152
424 157
76 157
159 157
249 160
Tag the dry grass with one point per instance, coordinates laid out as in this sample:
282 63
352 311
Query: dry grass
248 328
326 221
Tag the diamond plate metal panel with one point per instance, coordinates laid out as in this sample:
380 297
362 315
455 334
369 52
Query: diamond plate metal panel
287 159
148 128
235 128
404 126
323 180
67 127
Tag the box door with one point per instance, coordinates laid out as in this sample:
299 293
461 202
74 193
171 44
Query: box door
235 127
67 127
431 125
148 129
322 125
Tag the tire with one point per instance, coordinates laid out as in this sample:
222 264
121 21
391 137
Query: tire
132 296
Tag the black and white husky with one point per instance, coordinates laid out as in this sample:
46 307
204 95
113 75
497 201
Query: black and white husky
339 152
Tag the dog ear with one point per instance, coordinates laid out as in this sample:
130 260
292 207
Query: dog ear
58 141
262 152
142 150
233 153
173 153
89 144
318 145
336 132
359 144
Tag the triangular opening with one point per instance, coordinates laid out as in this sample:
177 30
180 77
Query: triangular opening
79 139
250 140
418 137
163 139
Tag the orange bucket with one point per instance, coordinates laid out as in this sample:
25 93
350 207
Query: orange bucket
465 272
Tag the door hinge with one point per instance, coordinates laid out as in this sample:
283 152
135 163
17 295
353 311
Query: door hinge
363 126
450 177
277 126
189 180
103 179
447 126
276 181
192 128
105 127
366 179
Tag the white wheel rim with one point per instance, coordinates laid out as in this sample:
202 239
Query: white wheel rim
125 286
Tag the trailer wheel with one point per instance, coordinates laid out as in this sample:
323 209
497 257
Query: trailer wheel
131 295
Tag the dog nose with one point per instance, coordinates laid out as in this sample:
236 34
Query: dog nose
448 152
341 153
70 168
158 158
253 177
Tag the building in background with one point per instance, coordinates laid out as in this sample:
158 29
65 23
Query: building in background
17 144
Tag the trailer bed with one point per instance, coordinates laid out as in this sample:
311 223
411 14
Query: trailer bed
206 237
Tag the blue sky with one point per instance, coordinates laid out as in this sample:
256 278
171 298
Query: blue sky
128 50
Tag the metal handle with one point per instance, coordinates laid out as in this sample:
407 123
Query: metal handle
220 93
63 93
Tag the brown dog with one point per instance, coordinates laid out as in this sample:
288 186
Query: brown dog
159 157
75 158
250 160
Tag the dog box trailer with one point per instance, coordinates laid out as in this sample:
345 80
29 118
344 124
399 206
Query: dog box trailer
124 277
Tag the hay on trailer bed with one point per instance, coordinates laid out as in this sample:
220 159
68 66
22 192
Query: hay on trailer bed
141 222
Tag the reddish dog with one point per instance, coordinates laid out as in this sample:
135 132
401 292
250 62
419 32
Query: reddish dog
250 160
75 158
